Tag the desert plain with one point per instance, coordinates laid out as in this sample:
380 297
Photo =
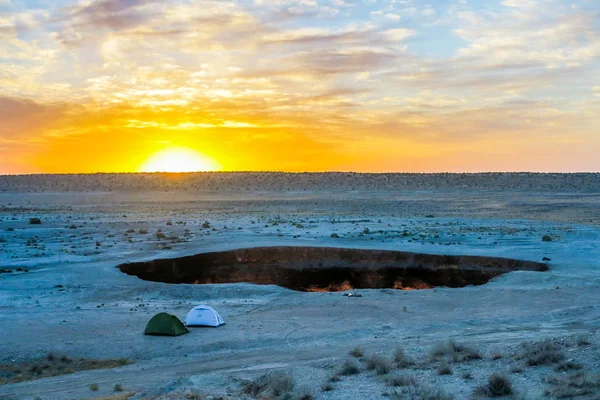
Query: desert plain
62 295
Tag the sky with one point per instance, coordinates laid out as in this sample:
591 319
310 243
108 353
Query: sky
301 85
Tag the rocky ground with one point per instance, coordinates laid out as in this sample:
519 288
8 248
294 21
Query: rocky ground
61 293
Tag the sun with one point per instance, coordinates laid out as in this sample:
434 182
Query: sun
179 159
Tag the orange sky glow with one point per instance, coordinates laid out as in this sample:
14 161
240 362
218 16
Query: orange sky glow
291 85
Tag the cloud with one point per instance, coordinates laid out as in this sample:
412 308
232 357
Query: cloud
341 75
24 118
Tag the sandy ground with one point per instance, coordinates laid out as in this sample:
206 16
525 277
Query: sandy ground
100 312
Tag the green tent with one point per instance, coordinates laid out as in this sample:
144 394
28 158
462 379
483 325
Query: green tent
164 324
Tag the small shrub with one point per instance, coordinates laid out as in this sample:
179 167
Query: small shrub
541 353
467 375
401 380
496 356
118 387
419 392
305 394
327 387
205 225
453 352
401 359
94 387
546 238
583 340
35 221
160 235
572 385
378 363
193 395
334 378
357 352
276 383
568 366
350 367
516 370
444 369
335 235
498 385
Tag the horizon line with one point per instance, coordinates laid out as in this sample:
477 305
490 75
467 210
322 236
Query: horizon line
305 173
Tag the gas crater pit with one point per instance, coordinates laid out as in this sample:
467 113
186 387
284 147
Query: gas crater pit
315 269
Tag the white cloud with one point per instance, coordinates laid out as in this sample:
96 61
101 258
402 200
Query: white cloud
392 16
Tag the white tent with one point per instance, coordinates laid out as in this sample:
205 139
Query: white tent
203 316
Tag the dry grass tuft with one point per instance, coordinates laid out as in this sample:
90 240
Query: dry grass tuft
305 394
420 392
122 396
453 352
401 381
568 366
498 385
444 369
572 385
327 387
350 367
273 383
401 359
380 364
53 365
583 340
545 352
357 352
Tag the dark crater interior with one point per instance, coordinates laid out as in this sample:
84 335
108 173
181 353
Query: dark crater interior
328 269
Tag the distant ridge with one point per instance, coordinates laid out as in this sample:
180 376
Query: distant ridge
280 181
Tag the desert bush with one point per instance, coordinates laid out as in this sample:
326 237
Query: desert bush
454 352
357 352
516 370
327 387
546 238
193 395
143 231
275 383
496 356
94 387
583 340
498 385
541 353
160 235
568 366
467 375
206 225
335 235
350 367
419 392
444 369
305 394
380 364
118 387
401 359
401 380
35 221
572 385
